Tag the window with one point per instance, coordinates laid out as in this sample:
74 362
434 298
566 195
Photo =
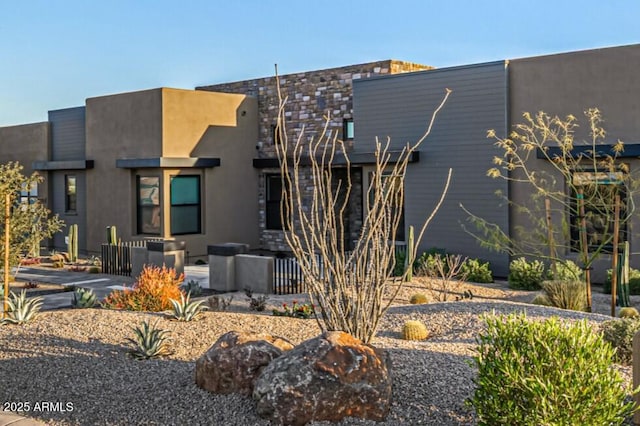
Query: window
70 194
148 202
185 205
400 231
273 189
29 193
347 129
275 134
599 190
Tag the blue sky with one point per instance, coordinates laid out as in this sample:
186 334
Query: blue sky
55 54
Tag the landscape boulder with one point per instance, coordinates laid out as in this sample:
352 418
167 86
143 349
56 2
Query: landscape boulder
234 362
326 378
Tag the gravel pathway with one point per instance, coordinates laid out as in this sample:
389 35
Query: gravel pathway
77 360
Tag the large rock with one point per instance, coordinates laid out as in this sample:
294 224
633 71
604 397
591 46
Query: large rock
326 378
234 362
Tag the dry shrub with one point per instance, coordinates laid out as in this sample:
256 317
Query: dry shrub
153 291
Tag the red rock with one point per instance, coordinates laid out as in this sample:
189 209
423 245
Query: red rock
326 378
234 362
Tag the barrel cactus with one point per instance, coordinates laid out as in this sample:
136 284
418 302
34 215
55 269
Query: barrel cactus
418 299
83 298
414 330
628 312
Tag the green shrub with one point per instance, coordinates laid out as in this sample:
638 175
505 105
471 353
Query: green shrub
570 295
567 271
619 333
546 373
524 275
398 269
476 271
634 282
427 263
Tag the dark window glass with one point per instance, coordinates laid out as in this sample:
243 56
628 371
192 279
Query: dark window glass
598 192
70 194
273 199
185 205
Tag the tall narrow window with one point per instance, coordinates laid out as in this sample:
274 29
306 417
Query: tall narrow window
347 129
599 191
273 189
185 205
275 134
148 201
70 189
400 236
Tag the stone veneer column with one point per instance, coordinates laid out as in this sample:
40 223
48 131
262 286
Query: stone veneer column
222 276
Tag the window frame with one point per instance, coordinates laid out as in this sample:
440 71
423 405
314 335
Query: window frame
347 124
29 195
70 196
604 179
272 223
140 207
173 207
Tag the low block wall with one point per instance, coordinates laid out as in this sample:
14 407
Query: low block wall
254 273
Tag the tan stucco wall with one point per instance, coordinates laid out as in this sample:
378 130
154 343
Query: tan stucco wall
127 125
25 144
176 124
570 84
217 125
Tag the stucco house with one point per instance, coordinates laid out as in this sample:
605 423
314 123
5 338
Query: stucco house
200 165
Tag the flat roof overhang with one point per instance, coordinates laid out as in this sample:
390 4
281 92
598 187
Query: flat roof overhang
356 159
62 165
167 162
630 150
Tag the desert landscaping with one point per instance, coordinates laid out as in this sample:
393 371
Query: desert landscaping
79 358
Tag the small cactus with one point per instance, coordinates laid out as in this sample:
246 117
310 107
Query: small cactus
628 312
541 300
414 330
22 310
418 298
150 342
83 298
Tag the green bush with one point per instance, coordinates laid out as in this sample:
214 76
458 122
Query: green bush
634 282
567 271
546 373
476 271
619 333
524 275
570 295
426 263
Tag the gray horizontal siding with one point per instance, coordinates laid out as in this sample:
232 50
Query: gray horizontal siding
67 134
400 107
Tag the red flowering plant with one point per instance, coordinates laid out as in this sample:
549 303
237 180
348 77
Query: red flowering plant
296 310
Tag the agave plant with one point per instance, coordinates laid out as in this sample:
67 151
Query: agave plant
83 298
192 287
22 310
186 309
150 342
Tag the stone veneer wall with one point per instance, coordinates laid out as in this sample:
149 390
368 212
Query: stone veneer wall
311 97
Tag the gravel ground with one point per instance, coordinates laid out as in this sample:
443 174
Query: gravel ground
79 358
